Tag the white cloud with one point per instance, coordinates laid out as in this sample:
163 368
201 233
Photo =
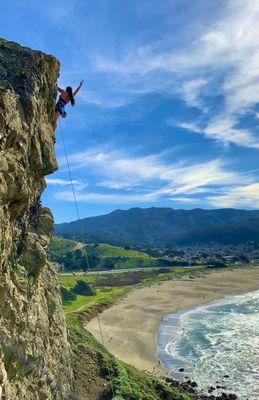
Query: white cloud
128 179
118 169
57 181
191 91
64 182
93 197
223 61
246 196
223 129
190 126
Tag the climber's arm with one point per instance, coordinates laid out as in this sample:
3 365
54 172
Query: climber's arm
77 89
61 90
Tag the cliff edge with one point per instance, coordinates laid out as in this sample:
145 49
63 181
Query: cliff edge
38 361
35 357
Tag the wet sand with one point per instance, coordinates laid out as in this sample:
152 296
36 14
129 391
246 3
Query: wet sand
129 327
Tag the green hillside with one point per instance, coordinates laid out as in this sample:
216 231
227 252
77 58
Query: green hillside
121 380
59 246
72 255
166 227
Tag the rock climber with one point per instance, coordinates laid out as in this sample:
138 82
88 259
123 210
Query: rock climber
66 96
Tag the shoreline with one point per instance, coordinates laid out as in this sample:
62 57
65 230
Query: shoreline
164 336
131 325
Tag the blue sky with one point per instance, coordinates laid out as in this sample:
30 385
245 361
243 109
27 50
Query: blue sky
169 112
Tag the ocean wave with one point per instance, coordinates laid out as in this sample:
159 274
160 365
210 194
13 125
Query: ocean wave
217 344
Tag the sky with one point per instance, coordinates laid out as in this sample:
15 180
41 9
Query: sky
169 112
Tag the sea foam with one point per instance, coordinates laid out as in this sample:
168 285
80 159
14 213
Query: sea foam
216 344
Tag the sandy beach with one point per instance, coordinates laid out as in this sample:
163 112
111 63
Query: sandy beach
129 327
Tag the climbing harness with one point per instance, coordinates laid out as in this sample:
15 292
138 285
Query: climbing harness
87 269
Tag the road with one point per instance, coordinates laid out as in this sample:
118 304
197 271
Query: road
112 271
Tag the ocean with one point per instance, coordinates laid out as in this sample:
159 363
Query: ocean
216 344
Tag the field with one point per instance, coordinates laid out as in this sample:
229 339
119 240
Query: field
111 287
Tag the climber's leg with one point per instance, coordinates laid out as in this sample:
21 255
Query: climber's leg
55 121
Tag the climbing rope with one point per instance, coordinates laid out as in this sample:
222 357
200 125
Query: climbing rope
75 199
83 241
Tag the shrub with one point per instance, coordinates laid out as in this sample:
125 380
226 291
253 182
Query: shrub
83 288
67 295
215 264
51 308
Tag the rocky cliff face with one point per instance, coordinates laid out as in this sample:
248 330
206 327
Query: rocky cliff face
34 351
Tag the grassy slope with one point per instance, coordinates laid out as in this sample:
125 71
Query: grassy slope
100 376
107 251
107 377
120 257
60 246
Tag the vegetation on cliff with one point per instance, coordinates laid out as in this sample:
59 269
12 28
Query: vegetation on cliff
99 375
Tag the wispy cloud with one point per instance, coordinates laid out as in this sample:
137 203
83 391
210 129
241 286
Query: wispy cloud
191 90
93 197
130 171
246 196
224 130
188 126
121 178
63 182
223 61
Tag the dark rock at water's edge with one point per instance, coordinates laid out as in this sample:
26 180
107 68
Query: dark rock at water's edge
191 387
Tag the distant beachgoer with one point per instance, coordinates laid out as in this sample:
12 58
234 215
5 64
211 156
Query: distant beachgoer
66 96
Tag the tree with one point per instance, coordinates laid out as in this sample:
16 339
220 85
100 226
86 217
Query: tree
243 259
69 261
78 253
83 288
67 295
215 264
93 260
109 263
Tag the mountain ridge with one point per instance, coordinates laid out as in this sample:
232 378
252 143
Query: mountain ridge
165 226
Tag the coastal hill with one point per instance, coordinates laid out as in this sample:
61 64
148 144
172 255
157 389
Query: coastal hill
101 256
164 227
